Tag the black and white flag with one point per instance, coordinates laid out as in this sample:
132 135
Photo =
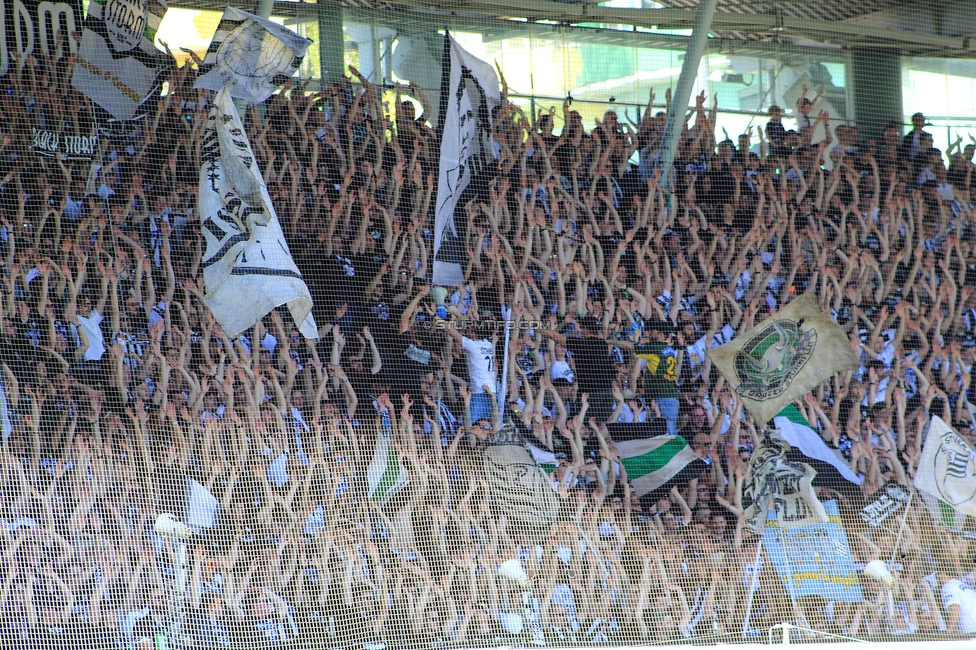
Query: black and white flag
891 498
787 487
469 94
118 65
250 55
247 267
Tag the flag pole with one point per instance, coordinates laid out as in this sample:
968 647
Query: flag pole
503 391
800 618
894 552
901 529
592 547
752 588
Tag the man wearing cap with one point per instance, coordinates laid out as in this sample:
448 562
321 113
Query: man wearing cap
592 364
660 370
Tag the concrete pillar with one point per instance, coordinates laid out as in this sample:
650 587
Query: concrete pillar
682 94
331 48
264 8
875 79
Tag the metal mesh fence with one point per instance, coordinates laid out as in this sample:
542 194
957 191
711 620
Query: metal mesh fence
388 330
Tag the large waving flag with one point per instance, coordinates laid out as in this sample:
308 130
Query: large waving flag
814 560
658 463
118 65
947 471
787 487
202 506
785 356
517 482
469 94
795 430
250 55
247 267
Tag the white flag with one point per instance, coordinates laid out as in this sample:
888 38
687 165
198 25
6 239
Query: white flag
247 268
787 487
251 55
118 64
947 468
201 506
469 93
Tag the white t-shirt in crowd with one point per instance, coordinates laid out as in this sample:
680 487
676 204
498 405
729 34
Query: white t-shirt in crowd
96 341
956 592
481 363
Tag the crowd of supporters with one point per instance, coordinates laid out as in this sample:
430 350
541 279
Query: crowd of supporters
119 383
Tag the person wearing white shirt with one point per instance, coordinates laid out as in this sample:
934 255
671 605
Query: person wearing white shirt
480 355
959 600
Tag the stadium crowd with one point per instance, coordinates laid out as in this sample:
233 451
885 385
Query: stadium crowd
120 385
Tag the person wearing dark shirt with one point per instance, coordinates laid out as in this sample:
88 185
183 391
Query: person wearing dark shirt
775 131
660 370
913 143
592 364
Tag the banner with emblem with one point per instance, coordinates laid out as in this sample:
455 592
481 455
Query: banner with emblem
774 483
247 267
947 469
118 65
250 55
813 560
784 357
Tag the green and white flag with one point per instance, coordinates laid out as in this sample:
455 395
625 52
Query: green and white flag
947 472
795 429
655 463
785 356
386 475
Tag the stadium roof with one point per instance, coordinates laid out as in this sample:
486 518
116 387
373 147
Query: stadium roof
913 27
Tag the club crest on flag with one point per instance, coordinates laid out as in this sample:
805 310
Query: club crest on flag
788 354
770 360
953 465
251 55
246 53
519 488
785 486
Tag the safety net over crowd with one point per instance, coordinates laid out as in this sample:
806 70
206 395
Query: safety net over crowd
362 366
